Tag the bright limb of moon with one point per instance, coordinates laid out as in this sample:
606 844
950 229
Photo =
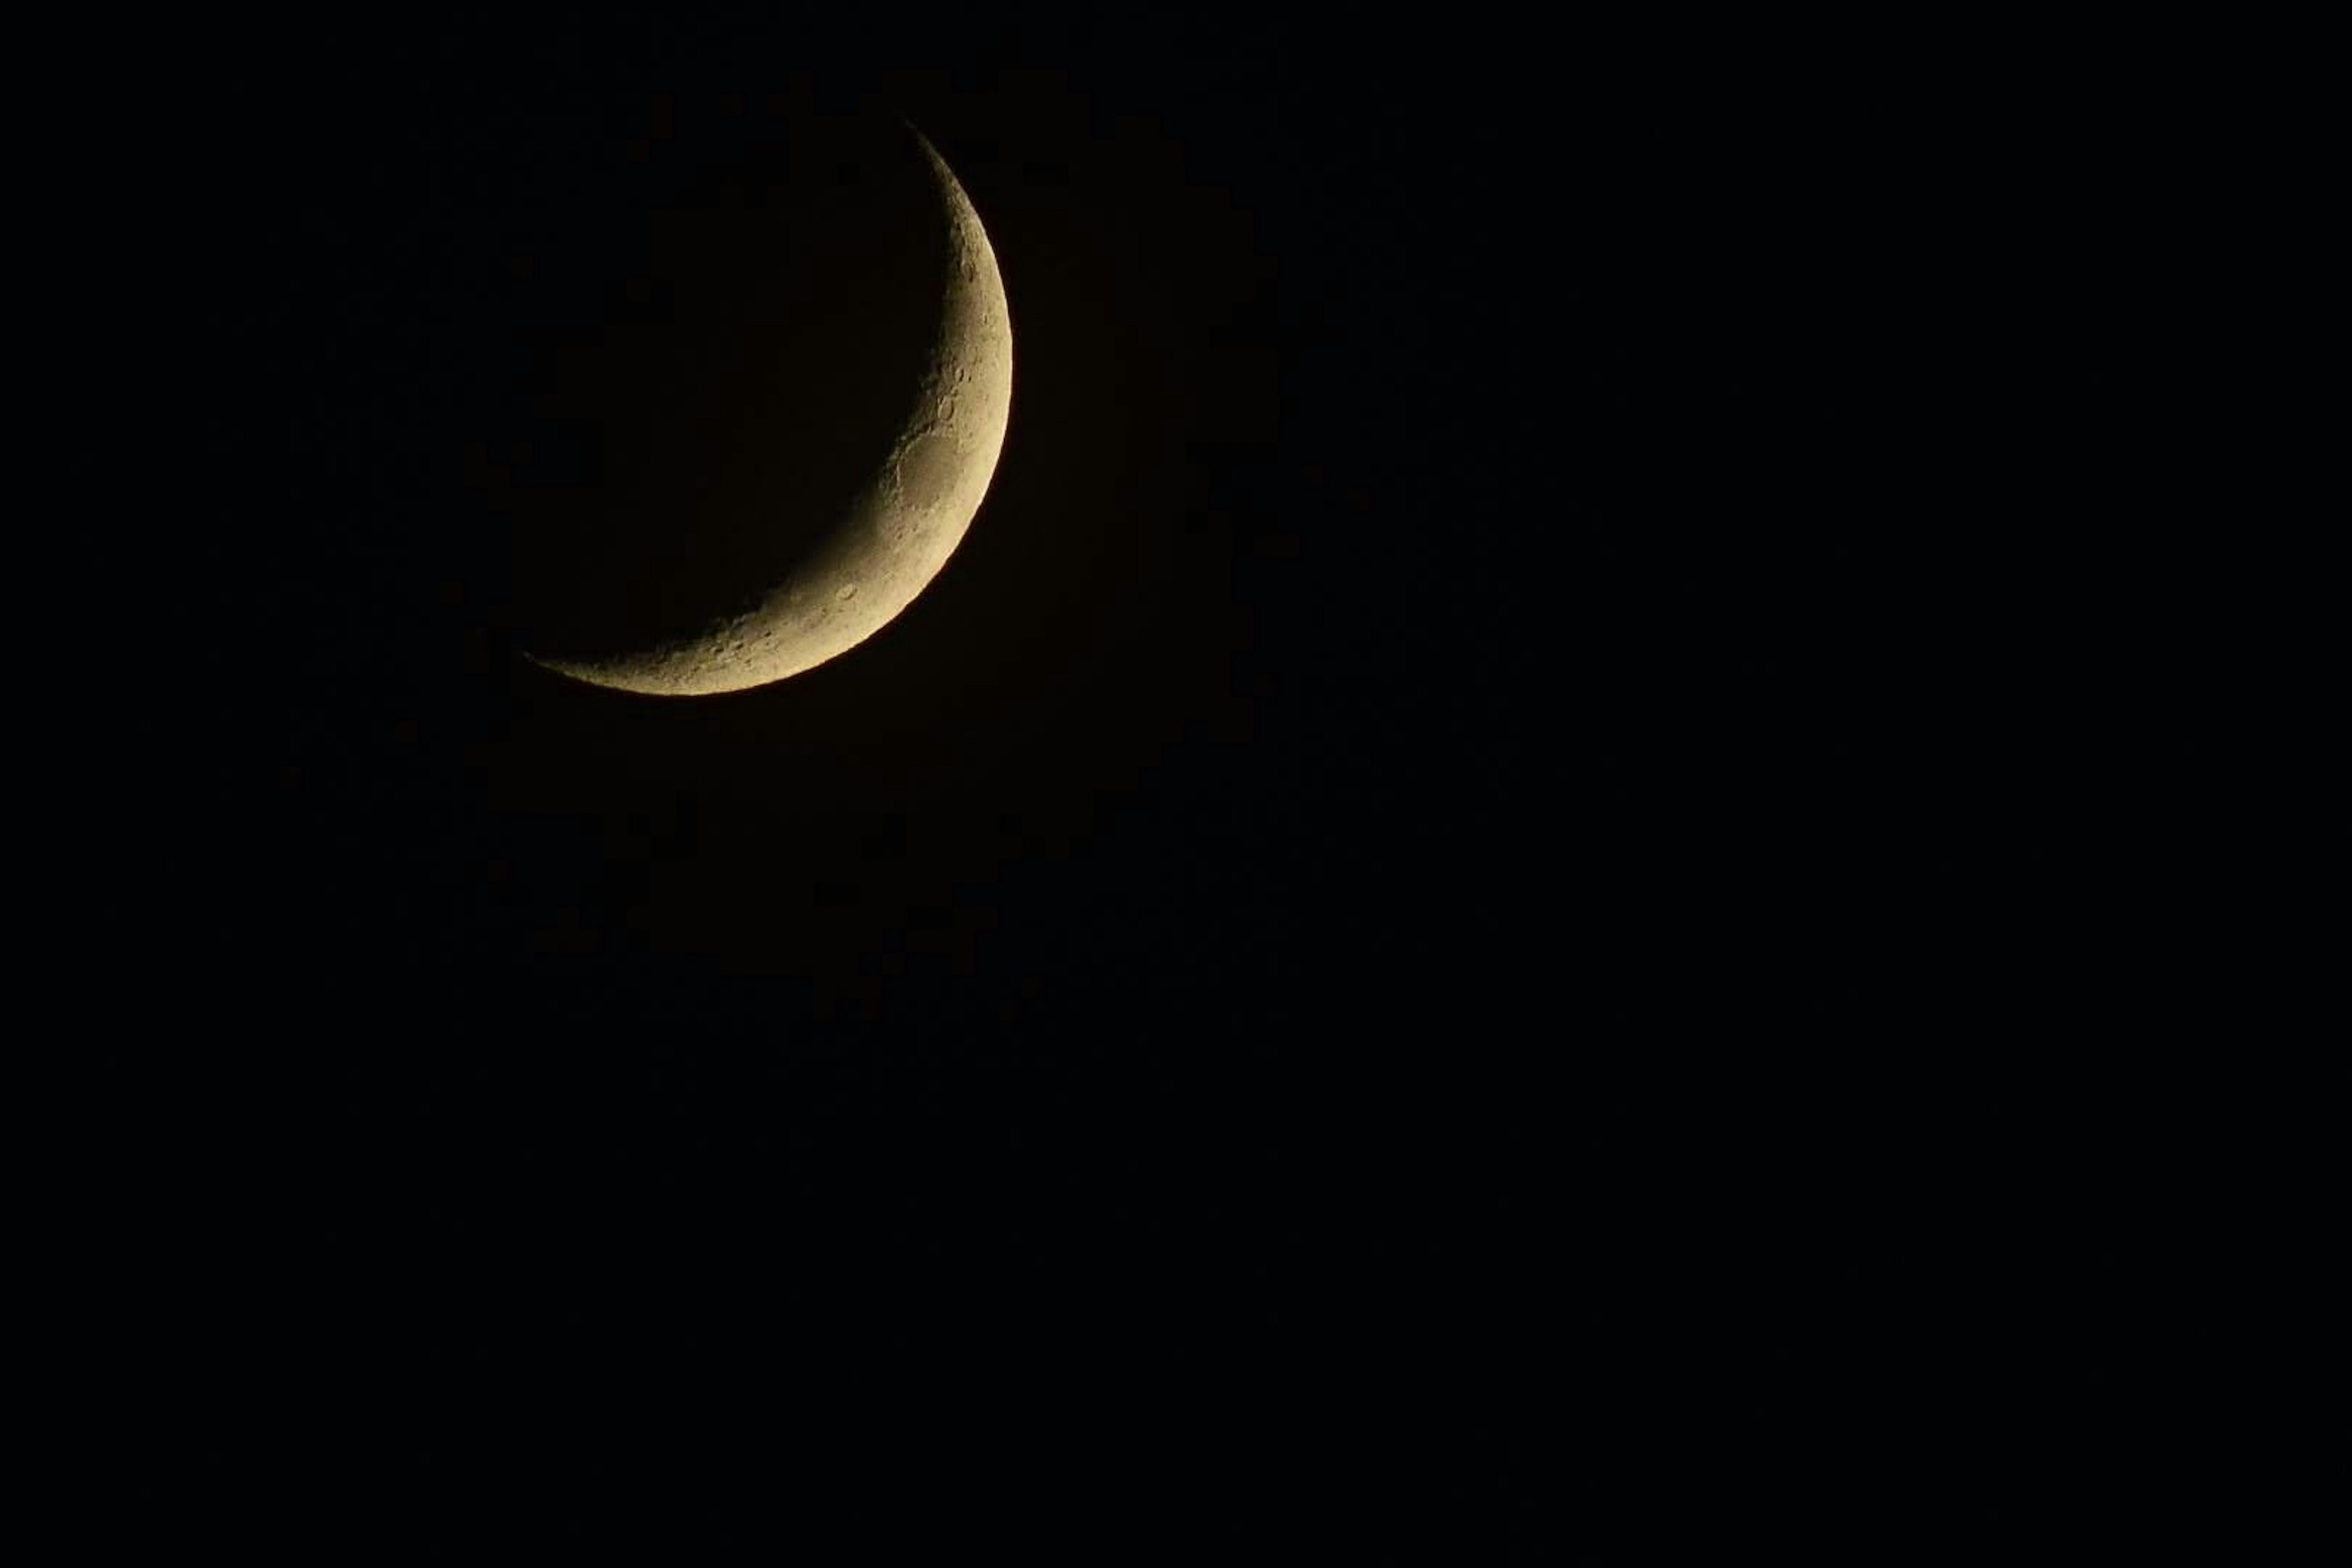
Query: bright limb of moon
899 529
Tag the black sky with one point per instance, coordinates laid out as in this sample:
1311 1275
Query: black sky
1324 971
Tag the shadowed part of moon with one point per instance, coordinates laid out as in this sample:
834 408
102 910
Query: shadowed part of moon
776 399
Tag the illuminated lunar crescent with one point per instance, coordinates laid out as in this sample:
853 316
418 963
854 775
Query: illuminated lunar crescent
895 532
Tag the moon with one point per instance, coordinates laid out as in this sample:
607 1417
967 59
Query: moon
896 530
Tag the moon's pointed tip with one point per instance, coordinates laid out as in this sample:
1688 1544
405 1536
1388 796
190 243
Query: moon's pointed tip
933 155
580 670
554 666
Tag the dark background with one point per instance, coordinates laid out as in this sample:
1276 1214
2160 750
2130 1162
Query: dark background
1370 960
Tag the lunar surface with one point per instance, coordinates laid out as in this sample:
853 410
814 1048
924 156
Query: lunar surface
849 573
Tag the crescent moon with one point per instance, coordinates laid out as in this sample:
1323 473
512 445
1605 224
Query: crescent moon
897 531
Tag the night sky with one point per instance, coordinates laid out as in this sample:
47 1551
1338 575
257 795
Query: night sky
1333 977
